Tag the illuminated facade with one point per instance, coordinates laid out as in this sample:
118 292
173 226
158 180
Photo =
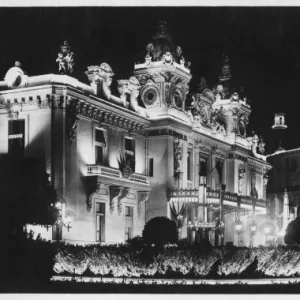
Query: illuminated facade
284 188
155 150
283 191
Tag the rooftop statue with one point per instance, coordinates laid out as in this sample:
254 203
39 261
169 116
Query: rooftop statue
161 48
65 60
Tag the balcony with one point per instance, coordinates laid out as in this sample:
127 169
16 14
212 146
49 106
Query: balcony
213 198
114 176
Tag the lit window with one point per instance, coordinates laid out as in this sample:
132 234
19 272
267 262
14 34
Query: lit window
57 232
190 164
100 143
100 222
202 167
128 222
130 152
16 138
293 164
151 170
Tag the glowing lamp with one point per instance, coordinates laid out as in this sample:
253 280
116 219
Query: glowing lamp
267 230
58 205
238 226
253 228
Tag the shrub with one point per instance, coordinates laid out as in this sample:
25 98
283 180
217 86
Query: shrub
136 243
160 231
120 261
203 246
292 235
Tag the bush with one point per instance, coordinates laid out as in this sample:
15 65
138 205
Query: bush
136 243
160 231
120 261
292 235
204 246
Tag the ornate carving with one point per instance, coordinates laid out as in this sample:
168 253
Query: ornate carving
253 144
265 180
123 89
117 193
242 122
253 191
177 97
219 122
261 145
90 198
177 157
72 121
124 166
168 58
142 198
16 108
89 112
241 176
65 60
95 114
149 95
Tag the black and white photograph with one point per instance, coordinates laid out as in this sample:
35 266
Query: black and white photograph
150 150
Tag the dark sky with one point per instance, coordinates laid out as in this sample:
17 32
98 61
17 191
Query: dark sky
264 47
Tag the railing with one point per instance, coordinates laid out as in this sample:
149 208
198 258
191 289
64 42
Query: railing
213 197
215 194
230 197
115 173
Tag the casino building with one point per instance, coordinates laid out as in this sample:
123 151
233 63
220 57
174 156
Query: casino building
156 149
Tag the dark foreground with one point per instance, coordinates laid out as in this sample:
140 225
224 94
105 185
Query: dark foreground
35 286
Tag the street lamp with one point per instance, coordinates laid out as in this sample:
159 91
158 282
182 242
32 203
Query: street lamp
252 232
238 228
62 220
267 231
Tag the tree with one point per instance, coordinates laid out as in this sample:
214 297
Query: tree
292 233
26 195
160 231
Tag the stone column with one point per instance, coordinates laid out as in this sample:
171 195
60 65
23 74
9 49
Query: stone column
286 210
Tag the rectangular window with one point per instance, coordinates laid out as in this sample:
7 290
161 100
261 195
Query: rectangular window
202 166
190 164
287 164
151 167
100 222
130 152
99 155
16 137
128 222
56 233
293 182
293 164
100 143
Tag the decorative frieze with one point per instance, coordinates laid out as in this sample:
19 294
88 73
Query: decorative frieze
105 117
117 194
142 198
166 131
72 121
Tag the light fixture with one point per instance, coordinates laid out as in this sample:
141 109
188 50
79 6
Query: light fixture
238 226
64 219
253 228
267 230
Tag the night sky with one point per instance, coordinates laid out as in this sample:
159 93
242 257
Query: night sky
264 48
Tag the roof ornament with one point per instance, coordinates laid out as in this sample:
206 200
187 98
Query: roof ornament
15 77
162 32
202 85
255 142
65 60
226 68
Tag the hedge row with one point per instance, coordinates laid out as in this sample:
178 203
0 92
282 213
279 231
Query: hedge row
124 261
